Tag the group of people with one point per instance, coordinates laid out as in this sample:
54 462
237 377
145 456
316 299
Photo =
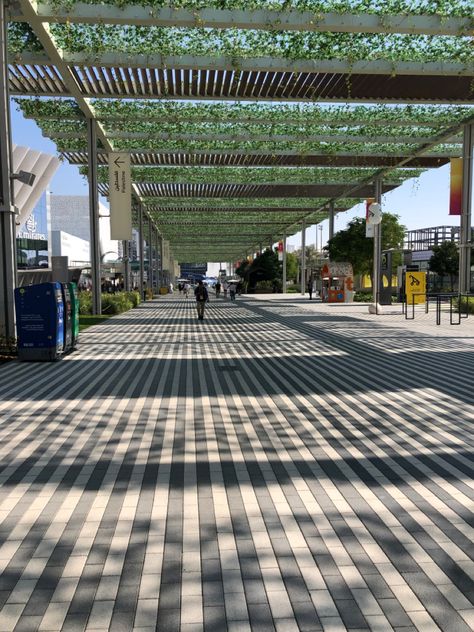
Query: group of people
227 288
184 288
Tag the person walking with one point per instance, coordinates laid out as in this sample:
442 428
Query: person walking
217 287
225 287
310 289
201 299
186 289
232 291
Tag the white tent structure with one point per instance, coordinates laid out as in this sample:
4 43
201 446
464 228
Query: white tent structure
43 167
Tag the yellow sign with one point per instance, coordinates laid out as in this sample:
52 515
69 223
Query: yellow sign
415 287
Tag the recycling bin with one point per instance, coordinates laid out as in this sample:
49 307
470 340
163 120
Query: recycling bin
67 318
40 322
75 313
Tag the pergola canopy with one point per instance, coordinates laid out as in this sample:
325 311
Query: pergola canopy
224 106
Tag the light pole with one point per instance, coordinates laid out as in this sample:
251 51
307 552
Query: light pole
320 226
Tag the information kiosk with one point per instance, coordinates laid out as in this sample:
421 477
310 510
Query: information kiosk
337 280
40 322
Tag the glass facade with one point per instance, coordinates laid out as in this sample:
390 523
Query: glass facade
32 238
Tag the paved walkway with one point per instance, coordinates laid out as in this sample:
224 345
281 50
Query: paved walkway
281 466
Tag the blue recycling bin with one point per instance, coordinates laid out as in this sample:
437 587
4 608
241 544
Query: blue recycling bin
40 322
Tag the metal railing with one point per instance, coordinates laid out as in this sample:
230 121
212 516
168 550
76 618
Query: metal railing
458 305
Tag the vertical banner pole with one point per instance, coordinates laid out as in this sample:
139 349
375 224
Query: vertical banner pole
466 213
284 264
303 258
162 253
126 265
94 217
377 246
150 253
7 210
158 259
142 251
331 220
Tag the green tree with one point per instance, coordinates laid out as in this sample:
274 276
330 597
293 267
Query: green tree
291 266
353 246
445 261
265 267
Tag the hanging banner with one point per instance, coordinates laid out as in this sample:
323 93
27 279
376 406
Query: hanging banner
455 194
369 228
280 251
120 196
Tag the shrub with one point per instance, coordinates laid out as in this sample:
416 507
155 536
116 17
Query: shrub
363 297
116 303
293 287
111 303
133 297
470 305
85 303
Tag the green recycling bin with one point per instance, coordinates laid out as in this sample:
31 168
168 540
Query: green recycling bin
74 313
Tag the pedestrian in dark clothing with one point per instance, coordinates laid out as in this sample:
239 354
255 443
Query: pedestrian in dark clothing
217 287
202 298
310 289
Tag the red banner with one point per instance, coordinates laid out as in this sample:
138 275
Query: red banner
455 195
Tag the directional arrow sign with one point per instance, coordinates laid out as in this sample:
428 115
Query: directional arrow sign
374 216
120 196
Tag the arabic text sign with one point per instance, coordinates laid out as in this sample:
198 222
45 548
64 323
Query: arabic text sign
120 196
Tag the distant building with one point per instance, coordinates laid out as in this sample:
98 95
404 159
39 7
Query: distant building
33 237
70 216
420 242
193 270
65 245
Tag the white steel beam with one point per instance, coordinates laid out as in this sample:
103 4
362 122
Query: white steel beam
264 64
236 152
266 20
237 64
309 98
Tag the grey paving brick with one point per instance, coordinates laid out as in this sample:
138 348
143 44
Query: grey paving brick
311 391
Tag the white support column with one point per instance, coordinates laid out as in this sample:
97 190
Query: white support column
162 251
284 264
126 265
377 249
466 221
141 253
7 210
94 216
303 259
331 220
150 253
157 262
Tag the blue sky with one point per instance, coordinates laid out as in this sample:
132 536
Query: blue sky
420 202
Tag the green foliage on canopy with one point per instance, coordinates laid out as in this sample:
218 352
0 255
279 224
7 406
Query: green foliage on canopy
353 246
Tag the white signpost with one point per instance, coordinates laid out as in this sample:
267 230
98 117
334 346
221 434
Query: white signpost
120 196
